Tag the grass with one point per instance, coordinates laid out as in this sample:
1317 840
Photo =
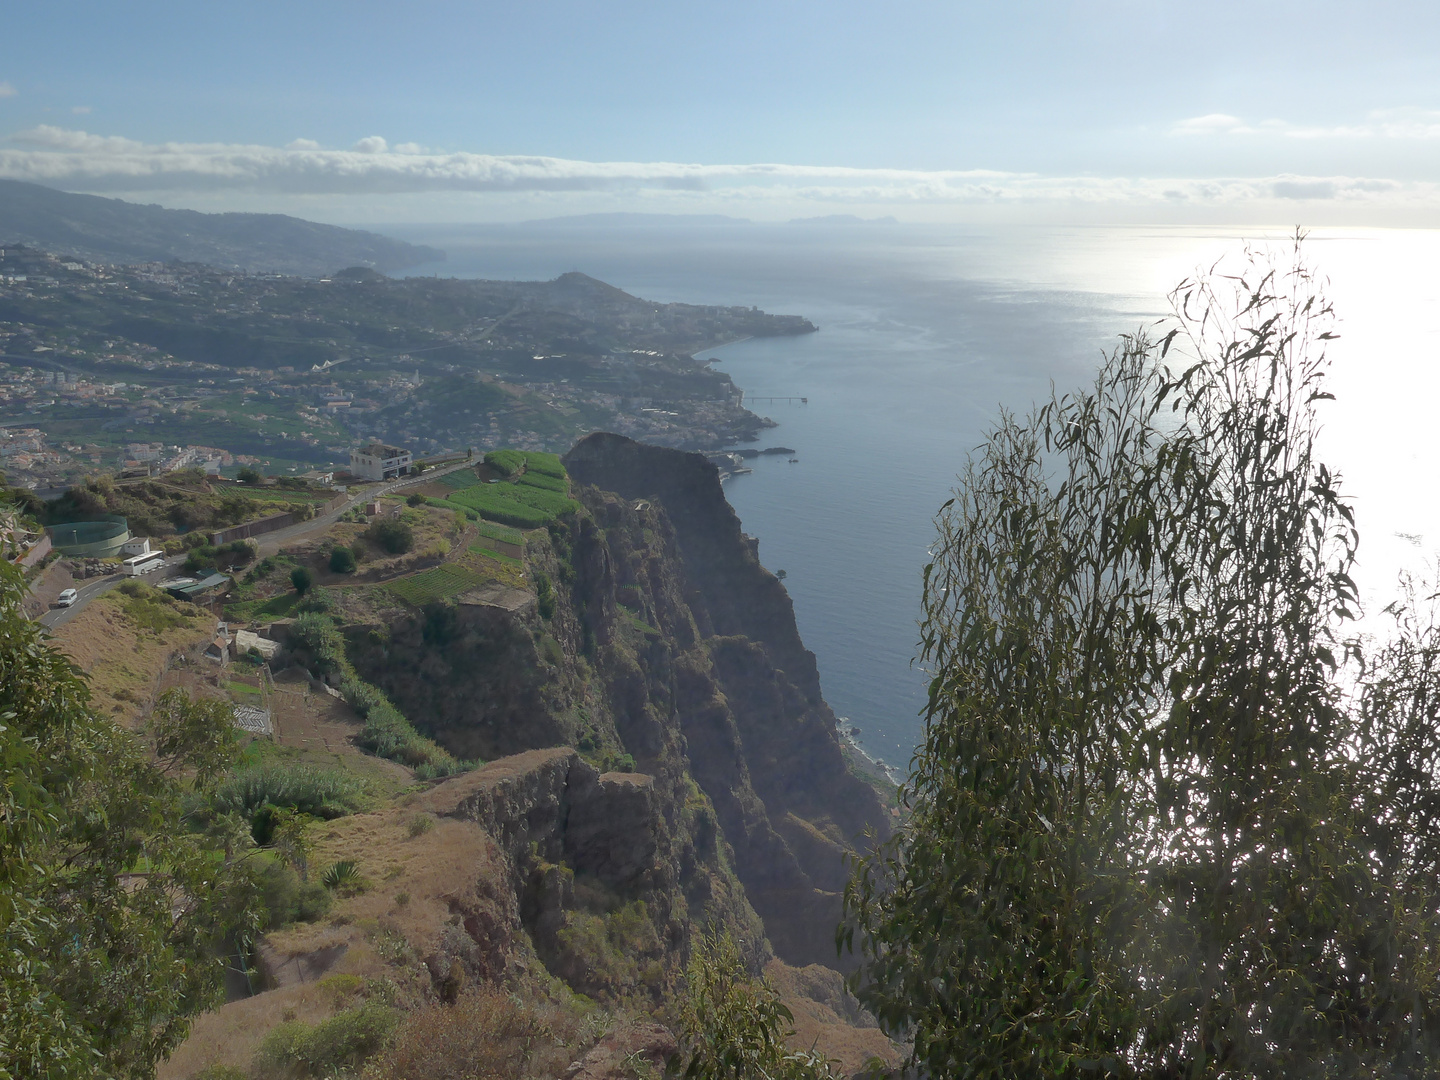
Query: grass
434 584
545 483
499 556
276 607
460 478
243 688
549 464
521 506
150 609
499 532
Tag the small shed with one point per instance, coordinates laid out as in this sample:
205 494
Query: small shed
245 640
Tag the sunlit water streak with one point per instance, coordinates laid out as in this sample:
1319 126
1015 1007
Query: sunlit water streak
925 335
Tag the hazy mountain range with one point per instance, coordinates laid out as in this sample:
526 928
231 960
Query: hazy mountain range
115 231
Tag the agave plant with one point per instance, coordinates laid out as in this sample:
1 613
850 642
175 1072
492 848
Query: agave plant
342 876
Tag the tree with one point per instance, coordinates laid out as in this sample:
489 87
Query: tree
195 735
1164 823
393 536
248 475
415 499
109 915
735 1025
342 560
301 579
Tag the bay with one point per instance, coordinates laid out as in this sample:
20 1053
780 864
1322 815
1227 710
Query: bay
925 334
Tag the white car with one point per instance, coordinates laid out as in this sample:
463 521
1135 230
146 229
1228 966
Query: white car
66 598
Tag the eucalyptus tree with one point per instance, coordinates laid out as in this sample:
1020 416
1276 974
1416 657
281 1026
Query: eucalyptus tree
112 917
1165 820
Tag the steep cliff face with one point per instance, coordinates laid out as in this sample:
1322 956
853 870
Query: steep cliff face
670 652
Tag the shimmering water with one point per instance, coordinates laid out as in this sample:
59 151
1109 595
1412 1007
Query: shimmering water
924 335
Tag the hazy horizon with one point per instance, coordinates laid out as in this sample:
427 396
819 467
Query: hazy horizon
1045 112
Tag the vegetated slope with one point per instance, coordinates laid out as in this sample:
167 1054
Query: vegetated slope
112 230
659 644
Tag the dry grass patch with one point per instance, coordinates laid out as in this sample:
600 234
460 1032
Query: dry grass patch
447 873
122 642
829 1019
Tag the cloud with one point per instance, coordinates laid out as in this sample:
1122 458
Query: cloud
7 90
1407 123
80 110
1212 124
1303 189
79 160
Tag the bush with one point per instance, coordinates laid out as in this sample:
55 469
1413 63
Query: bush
338 1045
342 560
485 1033
393 536
387 733
220 1072
735 1026
248 475
421 824
316 600
415 499
284 898
301 579
342 877
322 793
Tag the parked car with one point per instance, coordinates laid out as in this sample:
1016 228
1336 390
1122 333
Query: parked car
66 598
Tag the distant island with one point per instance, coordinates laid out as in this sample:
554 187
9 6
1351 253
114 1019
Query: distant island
114 231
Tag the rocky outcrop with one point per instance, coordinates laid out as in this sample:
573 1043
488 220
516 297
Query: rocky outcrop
549 806
672 654
727 590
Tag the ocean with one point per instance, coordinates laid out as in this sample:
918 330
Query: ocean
926 333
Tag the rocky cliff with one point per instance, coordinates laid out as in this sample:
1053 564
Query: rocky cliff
697 752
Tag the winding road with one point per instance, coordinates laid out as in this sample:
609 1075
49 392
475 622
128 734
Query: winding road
269 544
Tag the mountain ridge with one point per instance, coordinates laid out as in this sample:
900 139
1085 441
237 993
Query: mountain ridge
115 231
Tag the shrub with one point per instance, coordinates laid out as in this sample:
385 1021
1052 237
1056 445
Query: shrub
421 824
338 1045
734 1025
322 793
544 594
342 877
284 899
342 560
393 536
316 601
415 499
301 579
485 1033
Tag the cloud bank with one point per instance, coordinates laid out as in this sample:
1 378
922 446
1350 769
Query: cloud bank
1406 124
78 160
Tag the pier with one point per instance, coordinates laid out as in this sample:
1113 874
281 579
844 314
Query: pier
746 399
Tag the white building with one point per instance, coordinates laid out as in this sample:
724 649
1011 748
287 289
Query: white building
376 461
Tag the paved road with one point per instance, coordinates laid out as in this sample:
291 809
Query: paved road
58 616
272 542
269 544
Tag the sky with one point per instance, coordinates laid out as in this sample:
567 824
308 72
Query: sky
1031 110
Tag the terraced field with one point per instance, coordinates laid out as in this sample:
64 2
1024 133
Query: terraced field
434 584
518 505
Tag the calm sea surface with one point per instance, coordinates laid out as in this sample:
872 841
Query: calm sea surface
925 334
